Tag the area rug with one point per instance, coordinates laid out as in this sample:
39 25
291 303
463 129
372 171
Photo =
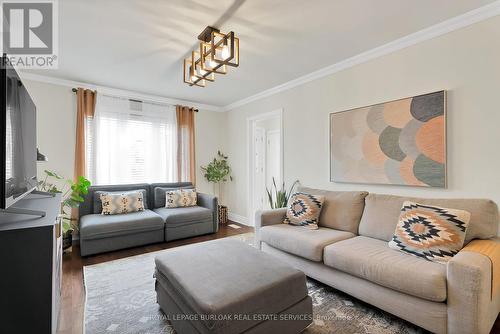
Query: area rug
120 298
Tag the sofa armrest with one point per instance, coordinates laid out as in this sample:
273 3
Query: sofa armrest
471 306
210 202
266 218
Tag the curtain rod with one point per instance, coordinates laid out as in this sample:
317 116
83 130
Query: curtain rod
74 90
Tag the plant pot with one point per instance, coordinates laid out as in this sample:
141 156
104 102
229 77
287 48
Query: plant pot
222 214
67 239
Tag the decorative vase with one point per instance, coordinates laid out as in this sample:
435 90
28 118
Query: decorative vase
222 214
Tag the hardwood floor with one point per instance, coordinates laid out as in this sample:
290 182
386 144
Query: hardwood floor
73 292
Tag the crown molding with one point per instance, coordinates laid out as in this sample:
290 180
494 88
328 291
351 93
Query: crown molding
455 23
117 92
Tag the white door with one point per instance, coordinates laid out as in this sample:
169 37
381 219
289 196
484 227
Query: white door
273 158
259 167
265 159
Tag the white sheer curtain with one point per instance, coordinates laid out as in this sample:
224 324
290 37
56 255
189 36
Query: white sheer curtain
131 142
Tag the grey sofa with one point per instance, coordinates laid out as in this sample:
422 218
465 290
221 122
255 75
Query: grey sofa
350 252
101 233
185 222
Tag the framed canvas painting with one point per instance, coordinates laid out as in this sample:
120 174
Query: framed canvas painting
401 142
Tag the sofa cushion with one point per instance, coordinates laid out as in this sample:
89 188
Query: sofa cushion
180 198
89 206
98 203
373 260
96 226
306 243
430 232
382 212
303 210
341 210
159 193
120 203
184 215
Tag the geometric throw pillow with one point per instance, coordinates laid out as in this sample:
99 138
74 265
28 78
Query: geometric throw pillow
430 232
180 198
118 203
303 210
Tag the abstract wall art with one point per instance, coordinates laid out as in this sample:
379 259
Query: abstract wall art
401 142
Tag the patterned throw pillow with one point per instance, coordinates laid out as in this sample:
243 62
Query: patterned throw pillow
126 202
98 203
433 233
303 210
180 198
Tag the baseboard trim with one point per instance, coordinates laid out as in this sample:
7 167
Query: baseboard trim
238 219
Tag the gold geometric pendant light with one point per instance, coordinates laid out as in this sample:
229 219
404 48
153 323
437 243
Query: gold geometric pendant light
217 51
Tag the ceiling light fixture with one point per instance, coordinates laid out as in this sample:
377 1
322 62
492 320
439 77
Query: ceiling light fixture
217 51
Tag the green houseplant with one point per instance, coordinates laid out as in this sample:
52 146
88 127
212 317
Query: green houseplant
278 198
218 172
72 195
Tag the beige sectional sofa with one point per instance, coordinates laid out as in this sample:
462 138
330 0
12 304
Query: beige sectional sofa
350 252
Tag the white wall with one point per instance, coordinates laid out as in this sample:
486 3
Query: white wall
210 137
269 124
56 123
465 62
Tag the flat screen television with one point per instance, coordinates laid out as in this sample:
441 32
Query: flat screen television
17 138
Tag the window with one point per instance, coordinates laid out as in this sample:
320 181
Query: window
131 142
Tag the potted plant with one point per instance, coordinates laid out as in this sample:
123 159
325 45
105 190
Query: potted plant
72 195
218 172
279 198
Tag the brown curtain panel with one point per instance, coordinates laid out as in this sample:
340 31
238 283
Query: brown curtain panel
186 162
85 107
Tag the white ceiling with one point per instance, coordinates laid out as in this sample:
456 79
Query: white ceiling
139 45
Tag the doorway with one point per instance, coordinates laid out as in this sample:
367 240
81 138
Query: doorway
265 159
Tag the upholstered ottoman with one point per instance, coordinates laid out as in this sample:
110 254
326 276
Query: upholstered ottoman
226 286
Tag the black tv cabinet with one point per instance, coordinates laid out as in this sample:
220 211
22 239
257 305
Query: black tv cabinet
30 262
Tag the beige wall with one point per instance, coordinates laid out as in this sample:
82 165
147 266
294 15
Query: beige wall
465 62
56 122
